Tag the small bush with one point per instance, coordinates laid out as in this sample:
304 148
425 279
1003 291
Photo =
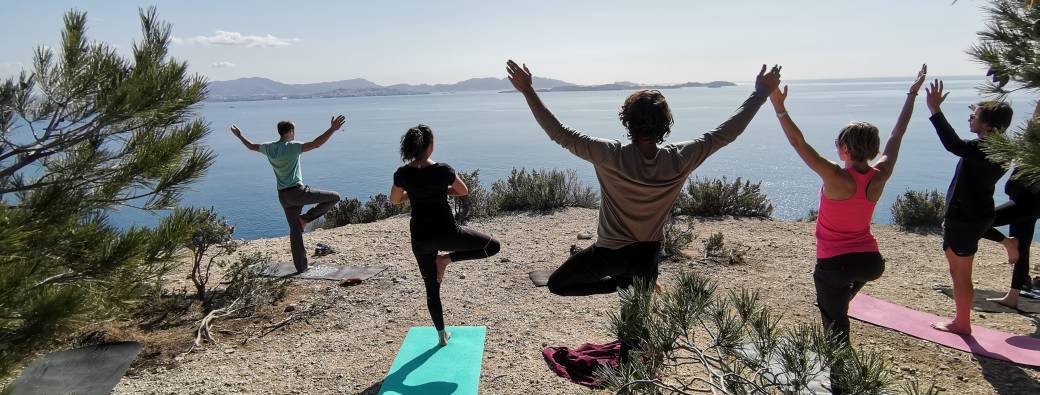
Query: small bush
542 190
478 204
245 291
211 235
351 211
919 210
716 251
714 197
678 234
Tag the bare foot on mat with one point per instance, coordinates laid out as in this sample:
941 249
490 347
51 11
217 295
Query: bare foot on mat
952 327
1009 300
443 337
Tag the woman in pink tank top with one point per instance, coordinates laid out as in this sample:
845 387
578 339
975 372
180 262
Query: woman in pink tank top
846 252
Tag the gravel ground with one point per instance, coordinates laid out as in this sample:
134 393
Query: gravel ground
349 348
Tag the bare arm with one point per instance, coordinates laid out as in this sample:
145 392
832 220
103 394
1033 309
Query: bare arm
586 147
887 163
398 195
458 188
829 171
336 123
249 144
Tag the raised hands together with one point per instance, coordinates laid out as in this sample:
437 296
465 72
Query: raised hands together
767 83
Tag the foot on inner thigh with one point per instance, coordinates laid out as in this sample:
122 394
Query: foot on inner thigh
442 265
952 327
303 223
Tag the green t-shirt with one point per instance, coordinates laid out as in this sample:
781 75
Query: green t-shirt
285 160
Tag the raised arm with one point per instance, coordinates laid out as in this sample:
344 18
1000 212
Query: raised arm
887 163
249 144
589 148
829 171
335 124
934 96
696 151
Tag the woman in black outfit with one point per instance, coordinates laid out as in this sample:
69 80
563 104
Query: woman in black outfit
427 184
1020 214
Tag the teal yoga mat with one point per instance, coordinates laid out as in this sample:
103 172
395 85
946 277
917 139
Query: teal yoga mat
423 367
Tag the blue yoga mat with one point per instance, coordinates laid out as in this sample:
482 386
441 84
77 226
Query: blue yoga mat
423 367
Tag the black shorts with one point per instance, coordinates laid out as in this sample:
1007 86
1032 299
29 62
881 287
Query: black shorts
962 237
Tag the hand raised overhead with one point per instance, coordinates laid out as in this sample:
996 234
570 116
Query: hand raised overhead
920 79
935 96
766 83
519 77
337 122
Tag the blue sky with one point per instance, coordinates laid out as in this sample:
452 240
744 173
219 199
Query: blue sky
579 41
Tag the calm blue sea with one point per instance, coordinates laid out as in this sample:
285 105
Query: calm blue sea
495 132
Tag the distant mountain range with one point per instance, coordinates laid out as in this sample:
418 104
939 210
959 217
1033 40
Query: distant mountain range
256 88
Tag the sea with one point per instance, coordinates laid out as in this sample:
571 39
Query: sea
495 133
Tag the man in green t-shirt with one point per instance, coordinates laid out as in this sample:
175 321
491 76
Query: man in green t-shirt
284 156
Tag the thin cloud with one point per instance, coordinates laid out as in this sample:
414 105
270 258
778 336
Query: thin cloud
221 37
11 69
222 65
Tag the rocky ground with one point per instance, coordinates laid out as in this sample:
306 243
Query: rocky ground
349 348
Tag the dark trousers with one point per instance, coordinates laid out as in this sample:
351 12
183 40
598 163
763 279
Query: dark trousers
838 279
599 270
464 244
1021 220
293 200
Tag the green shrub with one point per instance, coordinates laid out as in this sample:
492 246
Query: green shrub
919 210
678 234
810 216
351 211
716 251
714 197
736 343
542 190
478 204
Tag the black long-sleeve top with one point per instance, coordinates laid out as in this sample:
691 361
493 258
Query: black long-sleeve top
970 196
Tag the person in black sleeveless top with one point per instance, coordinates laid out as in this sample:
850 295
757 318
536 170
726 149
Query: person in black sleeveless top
1020 214
427 184
969 200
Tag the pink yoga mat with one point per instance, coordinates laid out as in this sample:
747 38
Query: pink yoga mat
983 341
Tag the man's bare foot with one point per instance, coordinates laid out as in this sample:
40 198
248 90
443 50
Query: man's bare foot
1011 245
1009 300
443 337
303 223
952 327
442 265
657 288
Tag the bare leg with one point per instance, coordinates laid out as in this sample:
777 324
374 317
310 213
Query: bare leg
1011 299
1011 245
963 293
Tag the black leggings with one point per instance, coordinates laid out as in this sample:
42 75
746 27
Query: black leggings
599 270
837 280
1021 220
464 244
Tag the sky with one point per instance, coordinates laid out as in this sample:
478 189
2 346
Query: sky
585 42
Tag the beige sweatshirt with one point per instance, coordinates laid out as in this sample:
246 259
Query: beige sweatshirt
638 193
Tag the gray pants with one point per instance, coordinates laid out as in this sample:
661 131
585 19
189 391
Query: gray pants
293 200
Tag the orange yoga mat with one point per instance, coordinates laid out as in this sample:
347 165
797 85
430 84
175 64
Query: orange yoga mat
983 341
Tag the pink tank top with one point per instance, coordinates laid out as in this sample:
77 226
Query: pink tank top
843 226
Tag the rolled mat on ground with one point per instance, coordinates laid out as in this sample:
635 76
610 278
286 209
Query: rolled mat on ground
579 365
322 272
983 341
83 371
423 367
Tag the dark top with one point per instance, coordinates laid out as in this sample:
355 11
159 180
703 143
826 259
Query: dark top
427 189
970 196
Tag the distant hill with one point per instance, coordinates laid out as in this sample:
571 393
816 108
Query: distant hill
256 88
